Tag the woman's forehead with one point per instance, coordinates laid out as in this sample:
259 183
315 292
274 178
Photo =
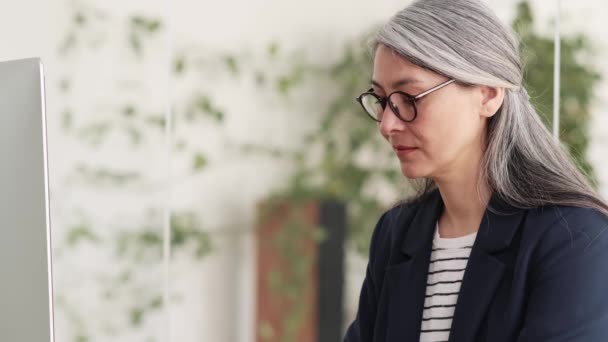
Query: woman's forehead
391 69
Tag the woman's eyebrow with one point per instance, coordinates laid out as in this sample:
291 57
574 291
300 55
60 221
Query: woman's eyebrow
398 83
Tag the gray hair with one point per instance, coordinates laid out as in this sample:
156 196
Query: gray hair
465 40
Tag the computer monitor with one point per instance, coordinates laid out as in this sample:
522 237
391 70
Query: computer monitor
26 292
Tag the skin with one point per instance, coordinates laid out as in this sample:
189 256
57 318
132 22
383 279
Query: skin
448 133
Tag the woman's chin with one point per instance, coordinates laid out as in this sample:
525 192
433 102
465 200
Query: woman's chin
410 171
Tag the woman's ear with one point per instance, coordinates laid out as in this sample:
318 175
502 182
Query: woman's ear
491 100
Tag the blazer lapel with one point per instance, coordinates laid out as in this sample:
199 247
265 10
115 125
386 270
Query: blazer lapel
484 272
406 281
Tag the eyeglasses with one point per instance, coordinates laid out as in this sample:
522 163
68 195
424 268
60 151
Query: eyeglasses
402 104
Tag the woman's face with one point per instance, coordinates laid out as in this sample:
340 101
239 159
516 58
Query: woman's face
447 131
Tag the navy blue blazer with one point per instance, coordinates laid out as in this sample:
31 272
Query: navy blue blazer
535 275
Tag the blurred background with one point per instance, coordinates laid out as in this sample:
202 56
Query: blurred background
273 175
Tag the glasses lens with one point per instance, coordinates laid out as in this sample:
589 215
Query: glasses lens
372 106
403 106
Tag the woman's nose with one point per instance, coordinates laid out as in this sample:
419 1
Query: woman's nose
390 122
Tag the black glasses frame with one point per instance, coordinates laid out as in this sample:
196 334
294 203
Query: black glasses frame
384 100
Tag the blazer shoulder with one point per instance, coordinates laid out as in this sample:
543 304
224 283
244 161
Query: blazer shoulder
567 221
557 233
566 275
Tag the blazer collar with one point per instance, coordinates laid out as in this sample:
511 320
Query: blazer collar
406 280
496 231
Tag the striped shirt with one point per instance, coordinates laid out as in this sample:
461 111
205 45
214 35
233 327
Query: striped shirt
449 259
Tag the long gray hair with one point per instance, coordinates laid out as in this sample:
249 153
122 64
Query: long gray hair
465 40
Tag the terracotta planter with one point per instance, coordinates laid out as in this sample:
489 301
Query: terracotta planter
300 271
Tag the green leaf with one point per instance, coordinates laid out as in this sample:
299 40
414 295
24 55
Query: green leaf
82 338
218 115
135 43
134 134
95 132
68 43
204 245
232 64
105 176
199 162
273 49
179 65
320 234
203 104
136 315
67 119
80 233
128 111
156 303
150 238
153 25
266 331
138 21
156 120
283 85
275 281
80 19
125 276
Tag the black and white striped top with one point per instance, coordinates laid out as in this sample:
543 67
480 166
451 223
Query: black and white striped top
449 259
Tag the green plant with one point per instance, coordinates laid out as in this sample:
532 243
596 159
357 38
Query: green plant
579 78
133 248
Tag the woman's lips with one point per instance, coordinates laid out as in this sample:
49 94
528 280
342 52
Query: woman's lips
404 150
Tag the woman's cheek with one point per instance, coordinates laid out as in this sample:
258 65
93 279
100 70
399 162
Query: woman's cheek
443 147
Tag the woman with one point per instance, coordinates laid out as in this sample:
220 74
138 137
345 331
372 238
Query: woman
506 239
